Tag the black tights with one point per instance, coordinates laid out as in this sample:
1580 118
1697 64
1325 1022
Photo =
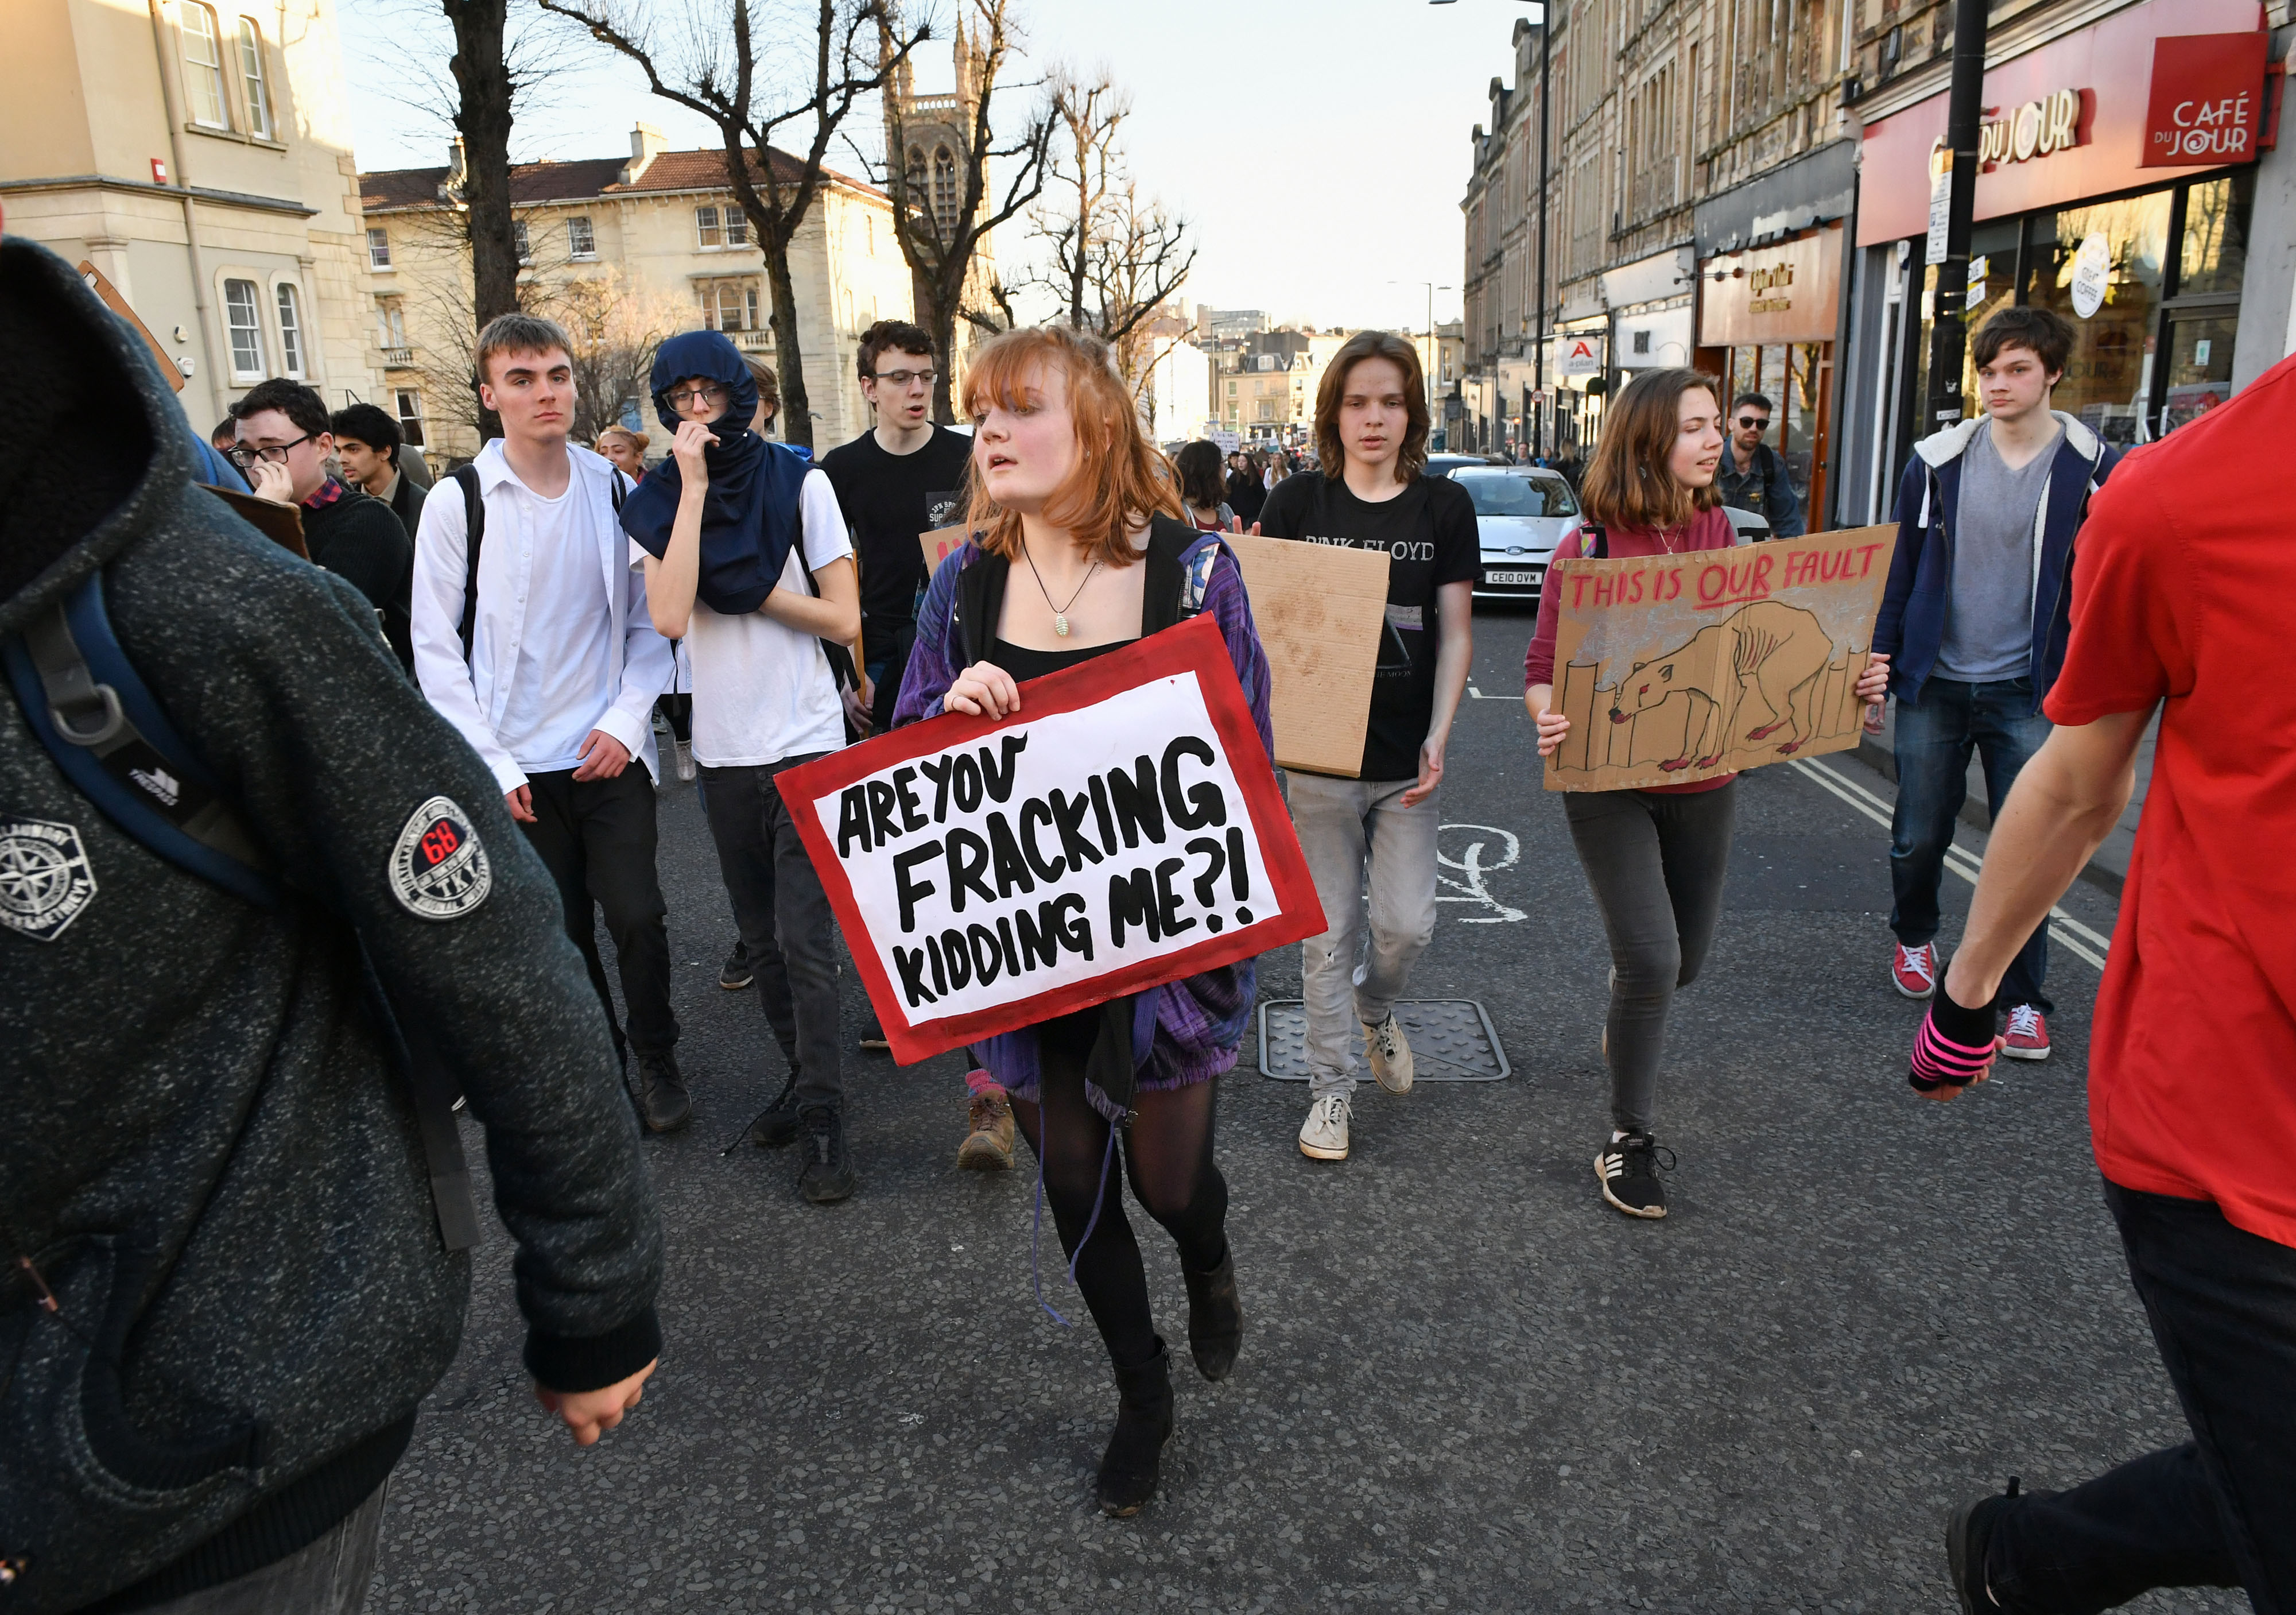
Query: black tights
1167 1155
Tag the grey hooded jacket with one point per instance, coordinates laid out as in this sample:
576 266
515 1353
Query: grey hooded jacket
210 1160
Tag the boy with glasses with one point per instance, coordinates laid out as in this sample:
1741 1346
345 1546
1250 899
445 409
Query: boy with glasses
1754 476
902 478
285 449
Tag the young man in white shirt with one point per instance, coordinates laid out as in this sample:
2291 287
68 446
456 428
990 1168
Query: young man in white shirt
554 686
765 700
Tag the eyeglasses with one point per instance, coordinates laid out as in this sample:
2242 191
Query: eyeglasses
1754 423
243 456
905 378
697 398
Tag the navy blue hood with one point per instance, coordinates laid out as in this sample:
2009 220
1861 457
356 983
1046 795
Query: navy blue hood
750 513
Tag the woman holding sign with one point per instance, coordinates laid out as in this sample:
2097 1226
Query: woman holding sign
1655 858
1079 550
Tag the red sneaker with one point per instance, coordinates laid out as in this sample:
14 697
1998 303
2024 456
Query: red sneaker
2028 1033
1913 970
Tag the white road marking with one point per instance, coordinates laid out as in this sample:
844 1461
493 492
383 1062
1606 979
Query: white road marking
2081 941
1471 889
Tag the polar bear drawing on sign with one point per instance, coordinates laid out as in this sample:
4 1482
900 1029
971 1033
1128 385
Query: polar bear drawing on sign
1781 649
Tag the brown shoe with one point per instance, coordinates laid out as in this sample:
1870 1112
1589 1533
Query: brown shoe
988 1147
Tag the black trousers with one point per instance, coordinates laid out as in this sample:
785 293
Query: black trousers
785 920
2219 1510
596 837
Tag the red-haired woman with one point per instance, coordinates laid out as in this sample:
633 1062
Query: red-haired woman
1081 549
1655 858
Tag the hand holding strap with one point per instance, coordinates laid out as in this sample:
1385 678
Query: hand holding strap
1954 1047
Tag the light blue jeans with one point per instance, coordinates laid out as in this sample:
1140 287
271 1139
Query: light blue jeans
1357 835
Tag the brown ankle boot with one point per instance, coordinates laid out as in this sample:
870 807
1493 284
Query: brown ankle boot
988 1146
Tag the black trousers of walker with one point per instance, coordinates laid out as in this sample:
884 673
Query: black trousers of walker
2217 1511
596 837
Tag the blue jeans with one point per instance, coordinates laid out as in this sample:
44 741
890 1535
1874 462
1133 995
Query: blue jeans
1935 736
2213 1512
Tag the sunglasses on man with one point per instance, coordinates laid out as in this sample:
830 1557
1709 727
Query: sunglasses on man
1754 423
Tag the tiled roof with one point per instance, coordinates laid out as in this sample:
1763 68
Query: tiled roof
535 183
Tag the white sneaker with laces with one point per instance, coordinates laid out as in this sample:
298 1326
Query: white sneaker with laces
1323 1135
684 759
1390 1053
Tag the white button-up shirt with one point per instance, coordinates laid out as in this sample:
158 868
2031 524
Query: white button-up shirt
550 656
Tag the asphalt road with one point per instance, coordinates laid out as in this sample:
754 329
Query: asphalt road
1466 1384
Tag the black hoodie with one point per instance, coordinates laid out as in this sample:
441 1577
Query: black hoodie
208 1157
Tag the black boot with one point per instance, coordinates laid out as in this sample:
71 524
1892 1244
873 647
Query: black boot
663 1102
1144 1423
776 1128
827 1175
1215 1317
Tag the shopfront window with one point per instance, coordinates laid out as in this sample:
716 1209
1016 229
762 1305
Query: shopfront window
1795 378
2216 234
2106 380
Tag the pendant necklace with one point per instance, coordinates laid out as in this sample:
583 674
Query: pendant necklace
1060 613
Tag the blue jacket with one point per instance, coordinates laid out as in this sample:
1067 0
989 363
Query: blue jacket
1911 627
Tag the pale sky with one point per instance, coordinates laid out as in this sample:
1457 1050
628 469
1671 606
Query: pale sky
1319 147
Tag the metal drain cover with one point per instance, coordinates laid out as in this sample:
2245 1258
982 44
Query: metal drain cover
1452 1040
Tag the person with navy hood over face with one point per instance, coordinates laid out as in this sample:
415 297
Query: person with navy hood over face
747 560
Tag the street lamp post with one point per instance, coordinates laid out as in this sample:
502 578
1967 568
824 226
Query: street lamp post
1434 348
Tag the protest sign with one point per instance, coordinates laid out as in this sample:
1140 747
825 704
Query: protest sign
1677 668
170 369
938 543
1319 609
1123 830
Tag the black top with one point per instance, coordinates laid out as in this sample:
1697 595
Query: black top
889 501
358 540
1428 531
1023 663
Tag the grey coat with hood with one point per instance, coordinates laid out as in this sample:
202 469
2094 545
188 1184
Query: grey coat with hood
210 1160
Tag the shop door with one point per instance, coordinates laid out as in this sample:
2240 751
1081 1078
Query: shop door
2198 374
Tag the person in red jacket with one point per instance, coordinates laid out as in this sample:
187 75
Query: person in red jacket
2181 578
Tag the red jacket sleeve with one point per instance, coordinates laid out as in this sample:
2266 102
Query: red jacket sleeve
1539 662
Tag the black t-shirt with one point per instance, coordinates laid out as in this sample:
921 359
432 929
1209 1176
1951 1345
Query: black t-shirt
889 500
1428 531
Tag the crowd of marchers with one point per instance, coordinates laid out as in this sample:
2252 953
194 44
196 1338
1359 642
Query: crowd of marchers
388 793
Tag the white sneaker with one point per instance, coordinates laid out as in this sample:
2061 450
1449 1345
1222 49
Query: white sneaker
1389 1052
684 759
1323 1135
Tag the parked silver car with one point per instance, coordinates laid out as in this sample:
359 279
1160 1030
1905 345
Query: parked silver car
1521 513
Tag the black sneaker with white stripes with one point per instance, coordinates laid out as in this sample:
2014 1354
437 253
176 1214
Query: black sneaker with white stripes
1628 1168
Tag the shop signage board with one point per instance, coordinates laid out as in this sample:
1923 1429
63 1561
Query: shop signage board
1578 356
1123 830
1674 669
1788 292
2208 97
2108 67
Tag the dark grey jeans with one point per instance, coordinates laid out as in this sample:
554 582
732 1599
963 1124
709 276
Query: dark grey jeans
785 920
328 1577
1656 861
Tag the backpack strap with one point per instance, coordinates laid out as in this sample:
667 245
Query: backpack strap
101 724
474 534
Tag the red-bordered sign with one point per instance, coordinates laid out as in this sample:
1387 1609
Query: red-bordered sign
1134 788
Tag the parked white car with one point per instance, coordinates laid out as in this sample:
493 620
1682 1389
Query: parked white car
1521 513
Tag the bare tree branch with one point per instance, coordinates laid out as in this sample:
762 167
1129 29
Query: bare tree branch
855 45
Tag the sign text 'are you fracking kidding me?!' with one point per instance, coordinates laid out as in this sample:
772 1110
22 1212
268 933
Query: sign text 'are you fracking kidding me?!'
1123 830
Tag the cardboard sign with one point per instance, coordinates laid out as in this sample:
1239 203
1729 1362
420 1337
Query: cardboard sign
282 524
110 294
1123 830
1319 609
1680 667
940 545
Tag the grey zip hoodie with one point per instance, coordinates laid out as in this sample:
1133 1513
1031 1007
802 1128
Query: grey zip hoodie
209 1159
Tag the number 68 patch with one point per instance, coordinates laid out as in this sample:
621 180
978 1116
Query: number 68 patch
438 869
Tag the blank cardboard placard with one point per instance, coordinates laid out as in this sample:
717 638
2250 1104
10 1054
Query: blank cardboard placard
1319 609
110 294
1673 669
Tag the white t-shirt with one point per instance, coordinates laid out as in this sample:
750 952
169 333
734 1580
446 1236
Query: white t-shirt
559 690
763 691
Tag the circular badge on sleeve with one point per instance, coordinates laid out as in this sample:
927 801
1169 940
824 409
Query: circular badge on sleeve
438 869
45 879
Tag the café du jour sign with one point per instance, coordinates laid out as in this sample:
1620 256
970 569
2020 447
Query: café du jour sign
2208 96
